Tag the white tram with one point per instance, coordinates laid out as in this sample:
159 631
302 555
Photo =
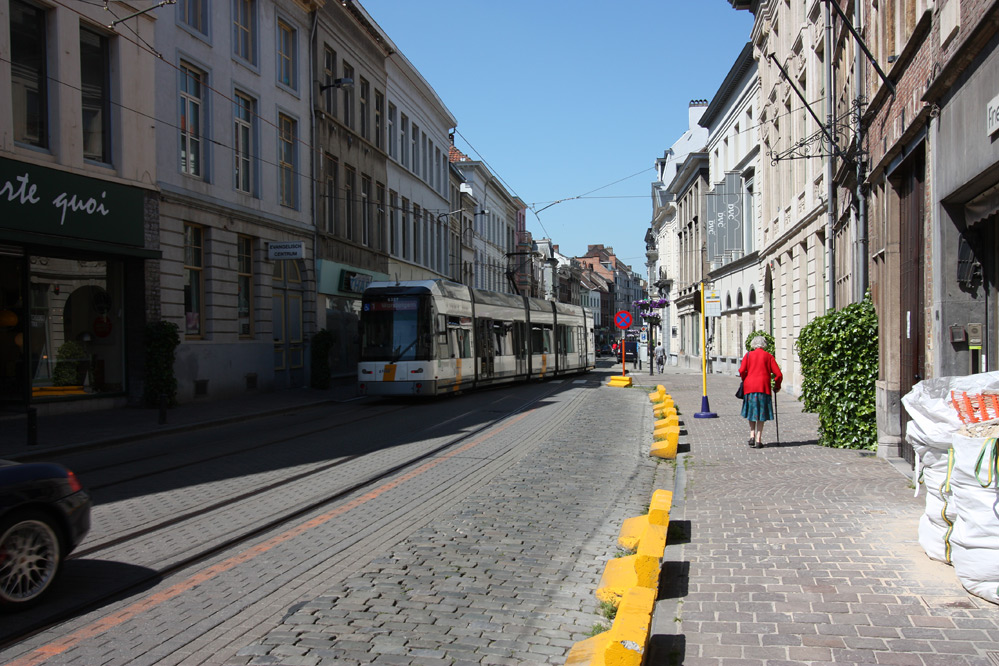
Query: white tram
428 337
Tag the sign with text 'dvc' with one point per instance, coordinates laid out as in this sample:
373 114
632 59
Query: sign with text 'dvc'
286 250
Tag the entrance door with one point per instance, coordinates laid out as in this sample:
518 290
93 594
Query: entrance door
911 349
289 347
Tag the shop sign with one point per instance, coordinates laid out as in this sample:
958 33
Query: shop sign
353 282
47 201
992 116
289 250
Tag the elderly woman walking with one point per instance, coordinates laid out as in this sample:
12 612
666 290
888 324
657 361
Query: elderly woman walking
756 370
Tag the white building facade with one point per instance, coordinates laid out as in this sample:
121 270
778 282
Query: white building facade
733 269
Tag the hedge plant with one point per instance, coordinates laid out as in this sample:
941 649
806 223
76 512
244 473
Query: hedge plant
71 357
321 374
839 365
162 339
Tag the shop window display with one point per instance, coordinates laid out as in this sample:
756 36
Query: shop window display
69 341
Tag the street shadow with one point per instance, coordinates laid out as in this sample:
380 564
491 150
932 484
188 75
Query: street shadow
82 586
666 649
674 580
807 442
678 532
683 448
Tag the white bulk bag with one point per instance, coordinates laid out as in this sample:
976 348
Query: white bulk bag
975 537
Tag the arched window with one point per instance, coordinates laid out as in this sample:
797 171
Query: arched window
738 299
728 301
752 296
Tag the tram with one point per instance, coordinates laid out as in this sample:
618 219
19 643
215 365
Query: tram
431 337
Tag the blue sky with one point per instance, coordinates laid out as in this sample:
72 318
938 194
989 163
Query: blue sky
563 99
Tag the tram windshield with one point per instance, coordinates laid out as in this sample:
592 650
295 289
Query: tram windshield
396 328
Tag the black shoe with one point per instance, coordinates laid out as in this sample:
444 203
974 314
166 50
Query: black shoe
751 442
759 445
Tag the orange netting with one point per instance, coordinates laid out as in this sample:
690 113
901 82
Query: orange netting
975 407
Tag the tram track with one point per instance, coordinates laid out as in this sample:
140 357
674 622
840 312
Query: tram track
216 547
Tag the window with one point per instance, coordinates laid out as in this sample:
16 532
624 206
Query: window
332 195
95 93
194 14
349 188
244 30
244 114
417 221
287 62
391 132
288 160
380 217
404 226
244 287
379 111
414 140
192 83
348 97
363 112
29 90
404 139
194 288
329 75
393 223
366 210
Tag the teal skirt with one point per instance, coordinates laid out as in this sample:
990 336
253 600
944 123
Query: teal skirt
758 407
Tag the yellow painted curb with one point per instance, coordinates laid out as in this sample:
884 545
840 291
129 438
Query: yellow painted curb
669 417
623 573
664 449
631 531
659 394
653 541
662 501
625 643
618 380
663 409
667 433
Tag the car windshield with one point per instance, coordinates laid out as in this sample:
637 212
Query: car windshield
395 328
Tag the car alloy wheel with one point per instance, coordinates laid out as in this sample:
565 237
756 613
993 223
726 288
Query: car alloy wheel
29 559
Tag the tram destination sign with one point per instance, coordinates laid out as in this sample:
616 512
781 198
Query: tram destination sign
48 201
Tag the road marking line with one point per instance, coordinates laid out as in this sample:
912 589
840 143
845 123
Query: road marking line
44 653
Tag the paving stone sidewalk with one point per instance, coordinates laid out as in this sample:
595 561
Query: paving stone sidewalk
798 554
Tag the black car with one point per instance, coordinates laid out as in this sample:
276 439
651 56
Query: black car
44 514
604 350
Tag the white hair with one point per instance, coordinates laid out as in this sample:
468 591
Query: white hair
759 342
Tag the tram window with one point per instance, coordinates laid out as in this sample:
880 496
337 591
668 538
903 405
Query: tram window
393 330
541 340
502 331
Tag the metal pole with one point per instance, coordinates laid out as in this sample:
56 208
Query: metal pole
705 412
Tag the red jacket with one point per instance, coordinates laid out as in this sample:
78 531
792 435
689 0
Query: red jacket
756 368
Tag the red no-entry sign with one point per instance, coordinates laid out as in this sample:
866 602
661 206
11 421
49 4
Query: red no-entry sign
623 319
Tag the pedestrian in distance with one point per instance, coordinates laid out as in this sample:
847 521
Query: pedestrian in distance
757 368
660 357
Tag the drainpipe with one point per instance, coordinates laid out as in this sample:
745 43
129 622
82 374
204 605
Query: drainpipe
858 89
830 165
312 160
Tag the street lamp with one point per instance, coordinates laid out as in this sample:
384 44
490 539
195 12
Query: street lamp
338 83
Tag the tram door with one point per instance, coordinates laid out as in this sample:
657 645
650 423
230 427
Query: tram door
486 347
289 347
520 347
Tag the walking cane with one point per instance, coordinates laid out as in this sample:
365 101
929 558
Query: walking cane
776 419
